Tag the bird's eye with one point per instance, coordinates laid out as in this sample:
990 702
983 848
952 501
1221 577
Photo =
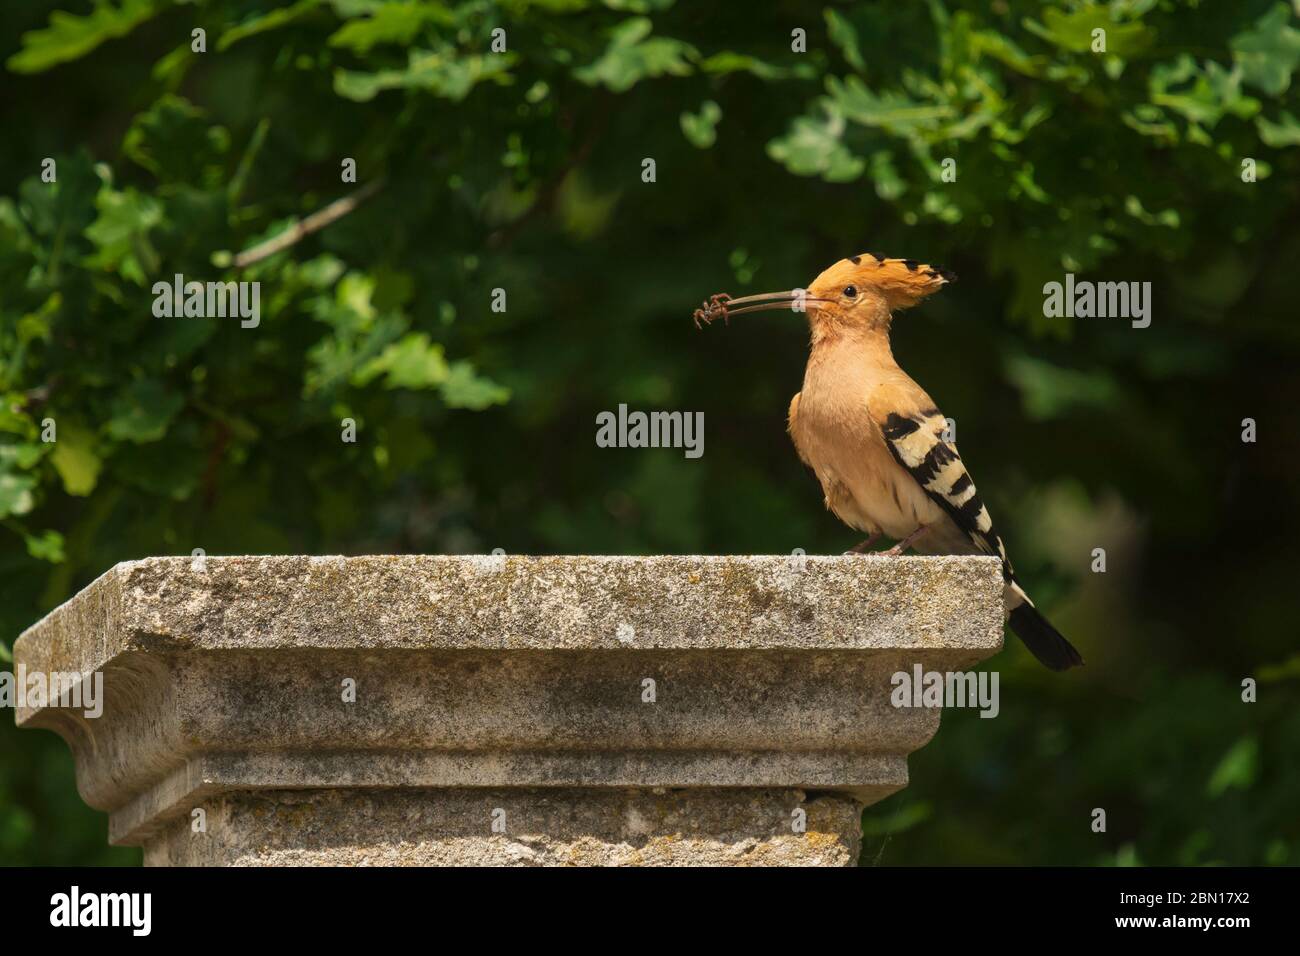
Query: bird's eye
851 291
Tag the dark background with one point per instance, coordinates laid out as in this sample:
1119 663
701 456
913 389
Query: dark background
476 429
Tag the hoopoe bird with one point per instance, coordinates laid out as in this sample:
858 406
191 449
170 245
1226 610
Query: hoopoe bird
874 438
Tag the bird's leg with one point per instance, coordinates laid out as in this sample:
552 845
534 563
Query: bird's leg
863 547
906 542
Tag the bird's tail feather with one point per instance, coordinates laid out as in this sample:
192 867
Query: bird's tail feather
1044 641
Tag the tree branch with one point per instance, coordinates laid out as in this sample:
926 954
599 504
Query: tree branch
304 228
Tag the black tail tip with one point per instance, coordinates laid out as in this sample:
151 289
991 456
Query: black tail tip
1044 641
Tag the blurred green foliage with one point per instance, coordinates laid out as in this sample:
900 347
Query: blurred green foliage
521 170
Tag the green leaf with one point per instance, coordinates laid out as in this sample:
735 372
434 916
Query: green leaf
321 272
143 411
729 62
174 140
1003 49
894 112
1286 132
356 8
1073 31
445 74
410 362
1288 669
1269 51
466 389
70 37
46 546
35 326
352 307
1166 217
12 419
56 210
633 55
1202 94
1238 768
16 494
22 456
121 233
700 129
398 23
813 147
261 23
884 174
75 459
845 37
623 6
1151 121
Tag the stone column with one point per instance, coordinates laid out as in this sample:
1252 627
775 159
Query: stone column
503 710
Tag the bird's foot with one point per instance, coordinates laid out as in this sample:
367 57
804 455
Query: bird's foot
862 547
906 543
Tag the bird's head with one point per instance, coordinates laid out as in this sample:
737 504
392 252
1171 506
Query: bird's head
857 292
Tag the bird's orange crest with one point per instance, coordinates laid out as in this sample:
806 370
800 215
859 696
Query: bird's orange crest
900 282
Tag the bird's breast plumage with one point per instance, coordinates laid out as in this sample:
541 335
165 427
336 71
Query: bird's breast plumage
836 434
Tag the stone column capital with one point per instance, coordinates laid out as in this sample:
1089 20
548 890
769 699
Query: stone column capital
495 709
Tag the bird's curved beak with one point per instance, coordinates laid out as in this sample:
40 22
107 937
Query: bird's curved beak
793 300
724 307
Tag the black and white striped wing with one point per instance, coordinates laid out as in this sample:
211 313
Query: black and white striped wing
917 443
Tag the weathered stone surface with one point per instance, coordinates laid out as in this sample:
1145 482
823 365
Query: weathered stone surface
517 676
541 827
